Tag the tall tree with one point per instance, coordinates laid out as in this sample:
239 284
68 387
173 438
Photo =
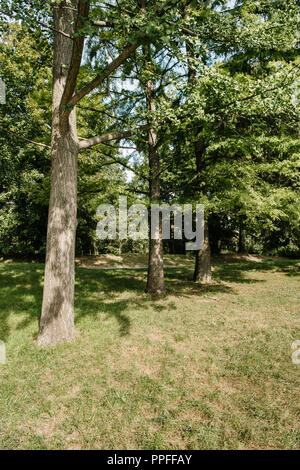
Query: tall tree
125 28
155 280
71 23
202 270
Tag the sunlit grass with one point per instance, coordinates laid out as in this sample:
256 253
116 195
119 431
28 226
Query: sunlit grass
204 367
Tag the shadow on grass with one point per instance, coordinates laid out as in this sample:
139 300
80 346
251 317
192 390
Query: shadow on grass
97 291
235 270
20 294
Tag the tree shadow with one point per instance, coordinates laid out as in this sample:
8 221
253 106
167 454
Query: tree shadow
114 308
235 270
98 291
179 282
105 307
20 291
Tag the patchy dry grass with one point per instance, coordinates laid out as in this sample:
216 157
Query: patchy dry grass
205 367
130 260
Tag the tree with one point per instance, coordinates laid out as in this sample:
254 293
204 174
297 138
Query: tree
249 69
155 279
252 156
25 67
202 271
70 24
57 318
123 28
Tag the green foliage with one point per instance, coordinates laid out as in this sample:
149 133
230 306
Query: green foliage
240 107
25 168
25 70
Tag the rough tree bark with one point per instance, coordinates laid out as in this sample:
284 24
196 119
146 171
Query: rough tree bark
155 279
242 240
202 271
57 319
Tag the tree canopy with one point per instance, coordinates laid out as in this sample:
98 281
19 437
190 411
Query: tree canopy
164 101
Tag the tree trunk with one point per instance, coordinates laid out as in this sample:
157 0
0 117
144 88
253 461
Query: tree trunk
57 318
155 280
214 235
202 272
242 240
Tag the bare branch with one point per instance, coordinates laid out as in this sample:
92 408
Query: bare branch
99 79
24 138
111 136
129 49
41 24
78 43
121 162
101 111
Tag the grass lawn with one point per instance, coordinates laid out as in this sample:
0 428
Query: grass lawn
205 367
130 260
134 260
